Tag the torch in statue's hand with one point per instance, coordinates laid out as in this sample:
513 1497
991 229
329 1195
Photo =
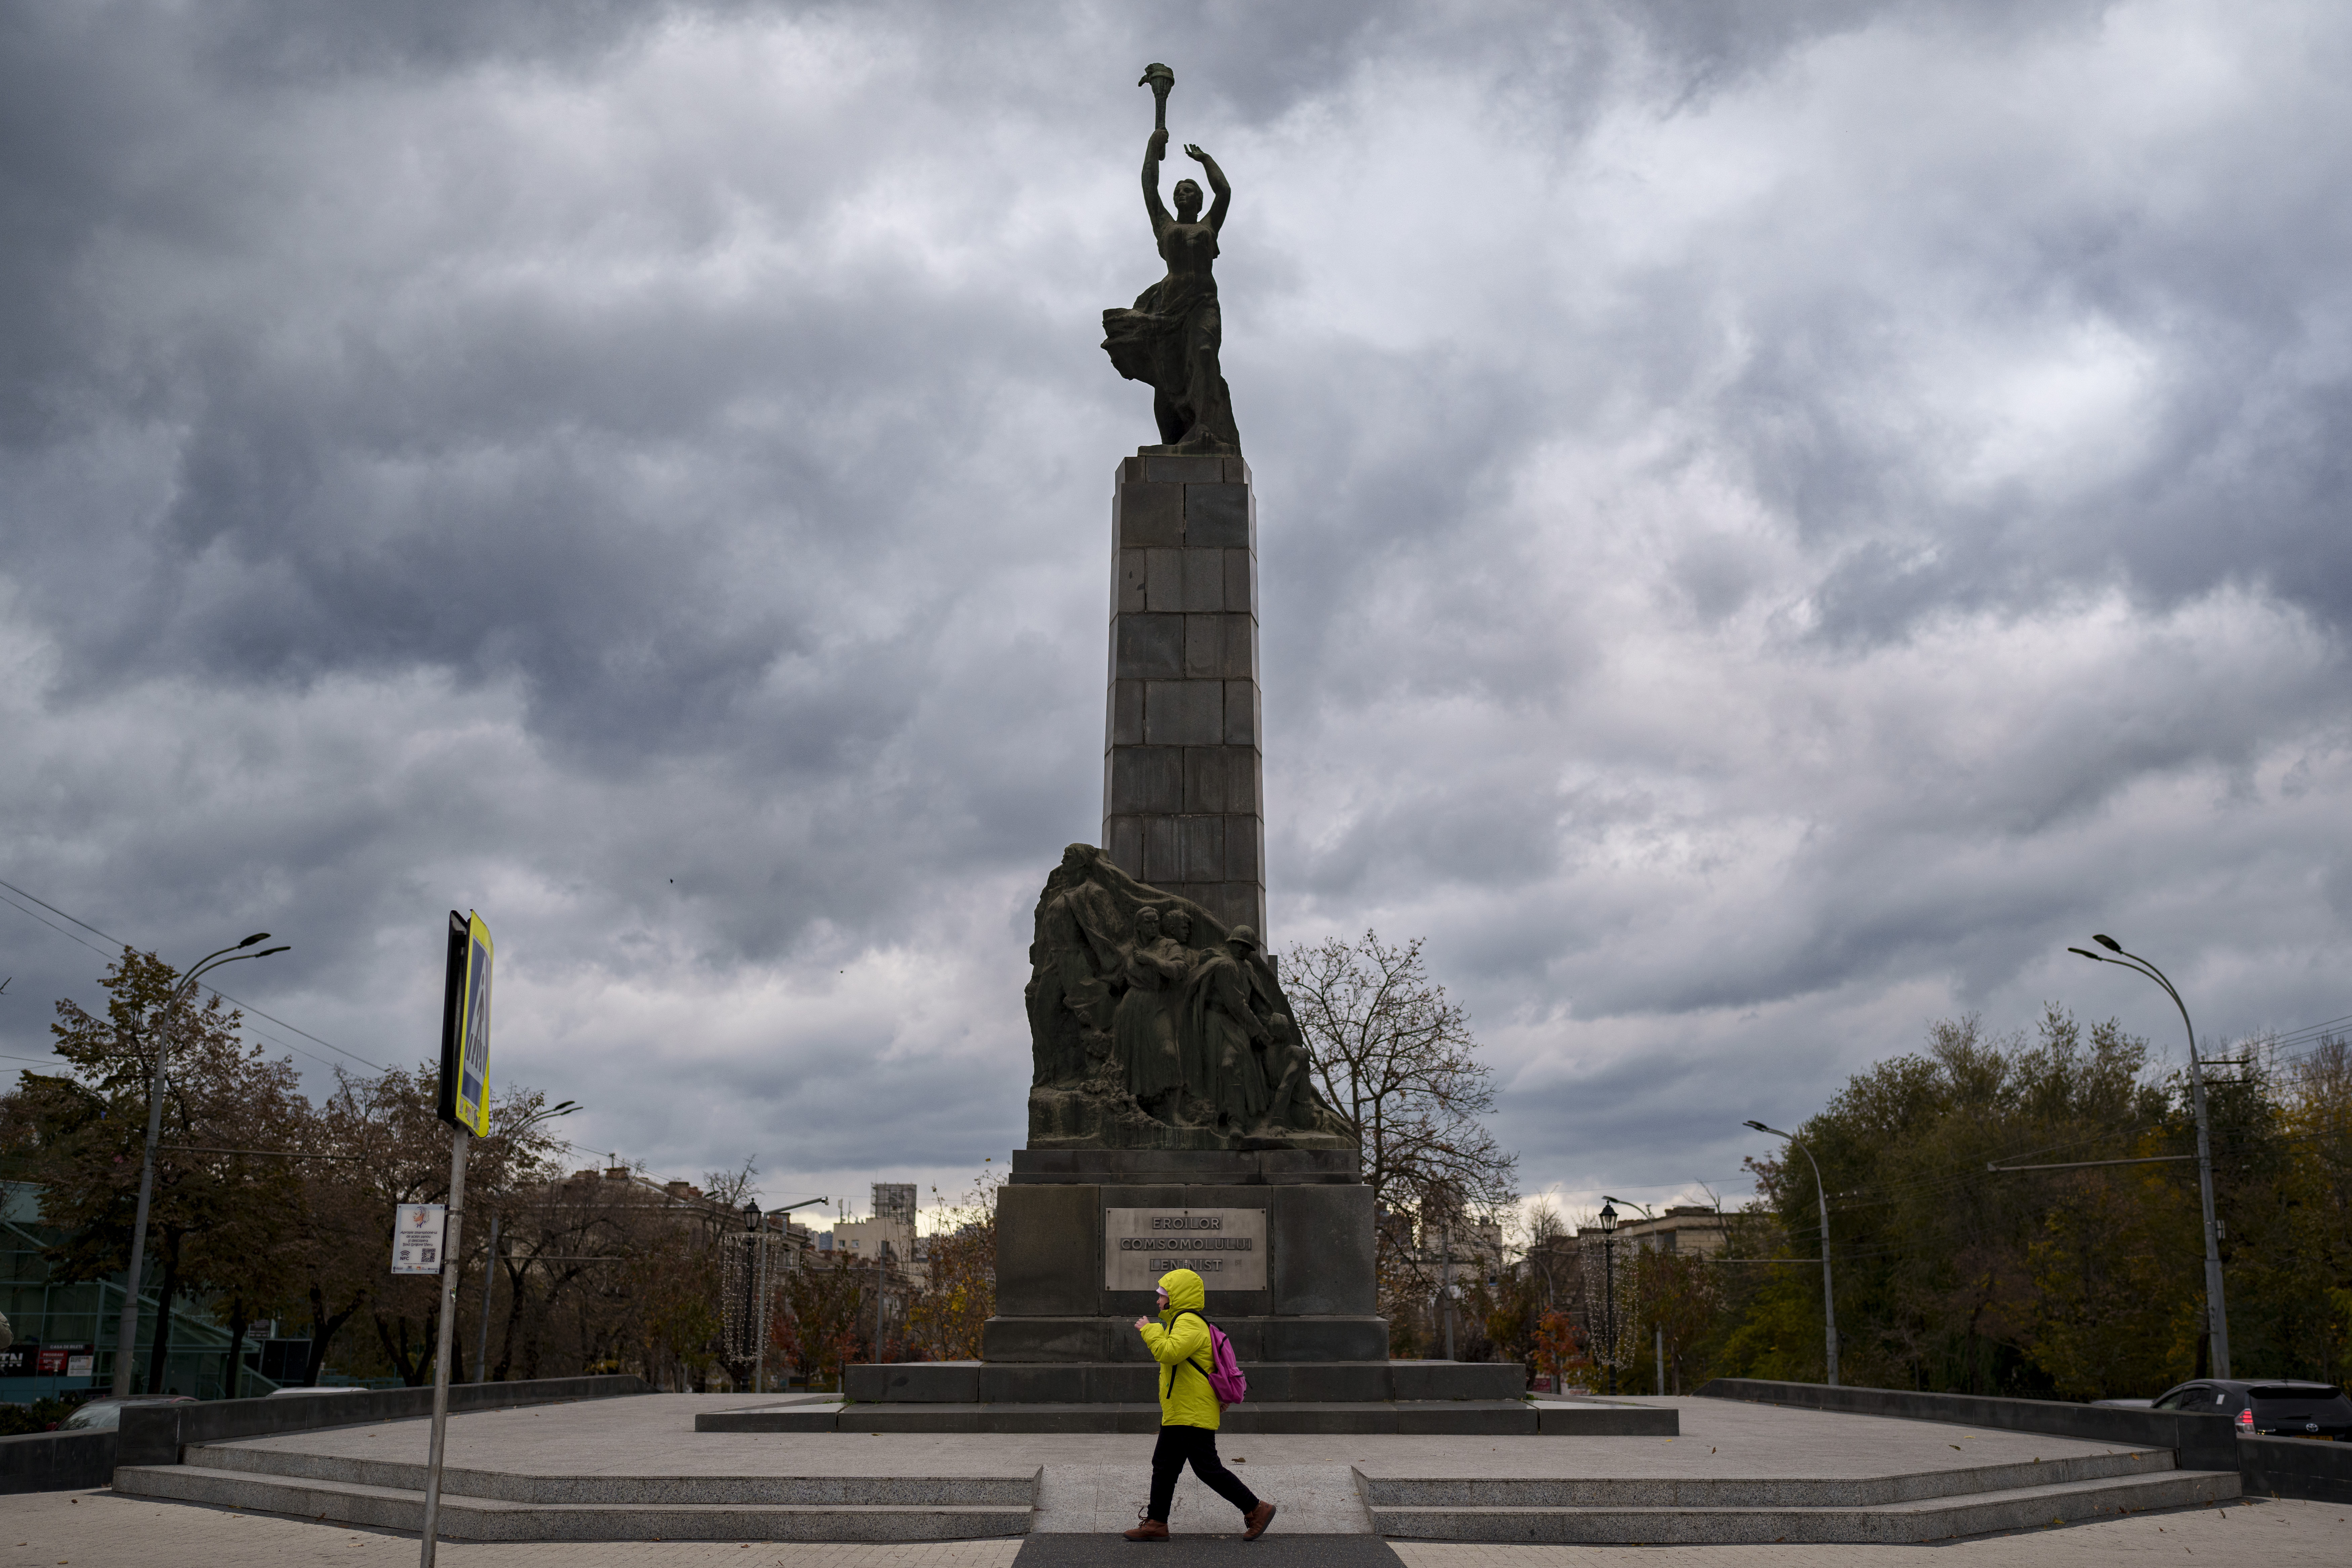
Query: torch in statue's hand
1158 78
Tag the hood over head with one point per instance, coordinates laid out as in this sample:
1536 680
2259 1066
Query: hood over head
1185 1292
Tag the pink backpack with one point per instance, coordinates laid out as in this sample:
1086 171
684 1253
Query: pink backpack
1225 1379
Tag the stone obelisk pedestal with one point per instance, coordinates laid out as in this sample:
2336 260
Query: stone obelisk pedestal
1282 1236
1183 765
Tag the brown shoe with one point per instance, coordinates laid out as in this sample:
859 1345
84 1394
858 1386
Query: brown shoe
1150 1530
1257 1519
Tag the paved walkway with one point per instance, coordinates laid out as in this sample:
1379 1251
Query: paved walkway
1093 1482
98 1529
655 1434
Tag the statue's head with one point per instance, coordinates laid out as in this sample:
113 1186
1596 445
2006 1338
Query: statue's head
1147 924
1187 201
1178 925
1243 941
1078 856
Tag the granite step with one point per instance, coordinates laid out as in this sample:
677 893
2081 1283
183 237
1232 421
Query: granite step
1137 1379
471 1517
1467 1417
1768 1491
1910 1522
1013 1487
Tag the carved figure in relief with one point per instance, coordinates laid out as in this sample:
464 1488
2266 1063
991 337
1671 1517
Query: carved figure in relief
1152 1027
1143 1029
1222 1018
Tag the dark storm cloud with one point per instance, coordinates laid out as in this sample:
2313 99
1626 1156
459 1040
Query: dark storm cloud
1774 517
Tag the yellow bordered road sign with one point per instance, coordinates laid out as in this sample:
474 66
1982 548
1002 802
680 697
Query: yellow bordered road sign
466 1026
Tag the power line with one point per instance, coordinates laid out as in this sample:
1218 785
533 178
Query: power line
224 996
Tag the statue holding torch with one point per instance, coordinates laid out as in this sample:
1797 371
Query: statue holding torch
1172 337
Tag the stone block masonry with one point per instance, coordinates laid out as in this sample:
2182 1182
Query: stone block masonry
1183 755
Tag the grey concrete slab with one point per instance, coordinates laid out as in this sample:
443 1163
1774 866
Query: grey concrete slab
1183 712
101 1530
1205 648
1184 471
937 1382
1321 1258
1935 1519
1201 840
1217 514
1245 848
1048 1250
1150 514
1163 582
468 1517
1149 647
1458 1380
1208 772
1126 725
1216 1167
1123 842
1146 781
1162 863
1204 581
1241 582
1128 596
1240 713
1103 1499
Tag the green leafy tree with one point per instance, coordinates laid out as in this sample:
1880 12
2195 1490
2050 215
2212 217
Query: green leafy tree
216 1219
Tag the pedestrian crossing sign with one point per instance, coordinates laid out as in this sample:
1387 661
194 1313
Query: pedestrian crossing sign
465 1026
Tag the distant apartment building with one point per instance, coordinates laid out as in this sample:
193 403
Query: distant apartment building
1683 1229
888 1234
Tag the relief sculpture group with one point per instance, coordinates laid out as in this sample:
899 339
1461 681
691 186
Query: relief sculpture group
1154 1026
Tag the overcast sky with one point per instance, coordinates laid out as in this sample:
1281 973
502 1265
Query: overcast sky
1775 520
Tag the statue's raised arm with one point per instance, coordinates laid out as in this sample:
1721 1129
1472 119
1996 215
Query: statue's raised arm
1154 149
1223 191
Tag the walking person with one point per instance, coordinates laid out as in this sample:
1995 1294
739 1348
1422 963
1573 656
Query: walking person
1189 1411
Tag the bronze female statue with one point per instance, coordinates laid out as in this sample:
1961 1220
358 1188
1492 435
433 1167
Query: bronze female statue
1172 337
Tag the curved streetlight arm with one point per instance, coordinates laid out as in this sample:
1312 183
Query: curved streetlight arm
126 1334
1828 1295
2217 1311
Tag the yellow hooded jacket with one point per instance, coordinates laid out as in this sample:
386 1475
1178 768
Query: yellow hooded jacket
1182 1348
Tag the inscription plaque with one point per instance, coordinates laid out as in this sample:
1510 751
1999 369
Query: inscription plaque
1226 1248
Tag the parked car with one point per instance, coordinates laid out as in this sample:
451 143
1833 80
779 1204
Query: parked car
2279 1408
106 1415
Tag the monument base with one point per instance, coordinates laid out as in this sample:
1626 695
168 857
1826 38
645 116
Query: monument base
1282 1238
1087 1117
1435 1417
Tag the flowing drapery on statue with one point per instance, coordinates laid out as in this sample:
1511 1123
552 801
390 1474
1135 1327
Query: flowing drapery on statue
1152 1025
1172 336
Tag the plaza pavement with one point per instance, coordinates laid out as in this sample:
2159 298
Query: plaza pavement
1092 1484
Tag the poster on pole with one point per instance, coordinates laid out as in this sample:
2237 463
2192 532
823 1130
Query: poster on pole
416 1233
465 1026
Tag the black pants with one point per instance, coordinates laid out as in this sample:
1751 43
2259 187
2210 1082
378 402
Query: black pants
1199 1445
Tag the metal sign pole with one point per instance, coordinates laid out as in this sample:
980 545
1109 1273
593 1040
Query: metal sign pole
458 1139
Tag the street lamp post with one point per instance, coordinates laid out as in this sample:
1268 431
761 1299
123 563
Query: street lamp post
2217 1311
1446 1281
1829 1296
1609 1286
126 1333
785 1214
1658 1359
755 1257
